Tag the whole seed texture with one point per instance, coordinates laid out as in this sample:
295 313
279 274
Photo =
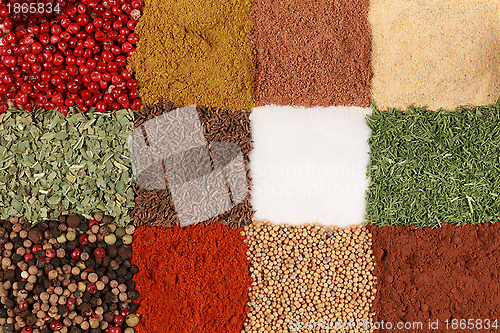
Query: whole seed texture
156 207
308 274
64 285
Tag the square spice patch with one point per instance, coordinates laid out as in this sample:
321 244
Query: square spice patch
195 52
312 53
437 280
439 54
156 207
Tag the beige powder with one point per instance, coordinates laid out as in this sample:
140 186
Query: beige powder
435 53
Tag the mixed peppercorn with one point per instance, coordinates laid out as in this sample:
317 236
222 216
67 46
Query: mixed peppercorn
72 57
67 276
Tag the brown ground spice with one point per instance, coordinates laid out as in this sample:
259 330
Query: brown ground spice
156 207
195 52
440 274
312 52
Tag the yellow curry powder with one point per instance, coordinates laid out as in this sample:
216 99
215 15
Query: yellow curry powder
195 52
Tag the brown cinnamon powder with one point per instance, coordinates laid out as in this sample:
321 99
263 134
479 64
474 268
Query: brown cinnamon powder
427 275
312 53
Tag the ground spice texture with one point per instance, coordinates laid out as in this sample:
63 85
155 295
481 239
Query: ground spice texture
435 53
312 53
192 279
445 273
195 52
156 207
309 278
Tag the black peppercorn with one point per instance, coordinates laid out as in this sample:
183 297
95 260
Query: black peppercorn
62 309
71 245
100 271
123 305
16 258
9 304
35 235
118 260
111 251
84 227
86 297
106 261
108 317
134 269
93 301
39 289
84 307
108 297
54 233
112 275
9 328
90 263
73 221
21 285
130 284
10 275
63 219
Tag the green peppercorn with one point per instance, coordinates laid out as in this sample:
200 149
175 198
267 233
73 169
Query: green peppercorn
61 239
110 239
70 236
119 232
129 330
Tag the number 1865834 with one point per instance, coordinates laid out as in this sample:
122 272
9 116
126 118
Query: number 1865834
472 324
33 8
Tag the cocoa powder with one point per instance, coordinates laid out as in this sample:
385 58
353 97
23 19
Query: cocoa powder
312 52
440 274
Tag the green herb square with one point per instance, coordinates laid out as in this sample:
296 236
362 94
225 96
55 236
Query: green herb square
52 165
427 168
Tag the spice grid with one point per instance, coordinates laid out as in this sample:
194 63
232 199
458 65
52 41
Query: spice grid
86 249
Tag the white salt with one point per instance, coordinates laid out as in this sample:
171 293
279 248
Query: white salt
309 164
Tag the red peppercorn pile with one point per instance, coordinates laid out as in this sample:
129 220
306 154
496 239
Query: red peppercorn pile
67 276
73 55
192 279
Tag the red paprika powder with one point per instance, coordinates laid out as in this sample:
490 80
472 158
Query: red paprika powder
191 279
